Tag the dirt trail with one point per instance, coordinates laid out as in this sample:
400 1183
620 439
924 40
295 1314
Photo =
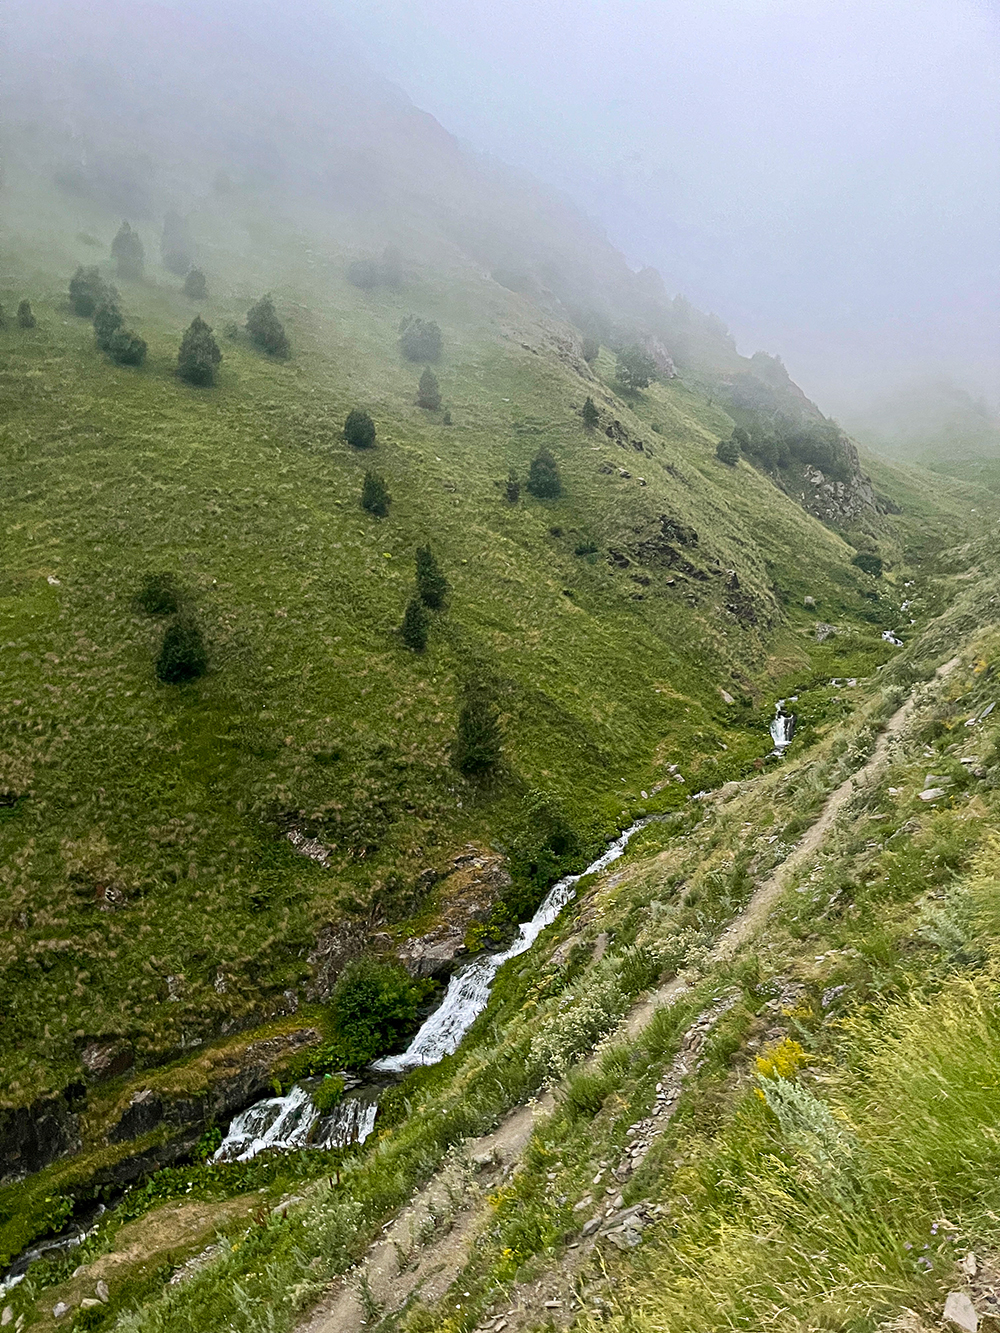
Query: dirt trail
453 1202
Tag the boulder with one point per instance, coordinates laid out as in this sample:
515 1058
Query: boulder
959 1310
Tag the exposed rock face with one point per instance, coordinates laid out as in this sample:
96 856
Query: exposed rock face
107 1059
839 501
477 881
31 1137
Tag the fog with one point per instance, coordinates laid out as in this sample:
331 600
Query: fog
825 176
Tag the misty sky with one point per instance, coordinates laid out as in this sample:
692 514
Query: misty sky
824 174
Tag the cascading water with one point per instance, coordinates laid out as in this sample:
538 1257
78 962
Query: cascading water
889 637
289 1122
782 727
469 990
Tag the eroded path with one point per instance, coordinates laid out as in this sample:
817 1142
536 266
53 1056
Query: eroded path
427 1245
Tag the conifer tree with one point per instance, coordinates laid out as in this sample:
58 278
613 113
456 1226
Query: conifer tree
419 339
635 368
183 656
199 354
512 487
266 330
590 414
543 476
416 623
127 348
375 495
86 290
108 319
478 742
432 585
195 285
359 429
3 318
728 451
429 392
26 316
127 252
591 347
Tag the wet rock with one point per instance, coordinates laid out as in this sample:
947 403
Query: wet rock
145 1111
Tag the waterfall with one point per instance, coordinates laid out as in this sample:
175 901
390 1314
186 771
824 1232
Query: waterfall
782 727
469 989
289 1122
889 637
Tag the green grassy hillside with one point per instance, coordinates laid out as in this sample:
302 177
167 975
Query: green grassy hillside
313 713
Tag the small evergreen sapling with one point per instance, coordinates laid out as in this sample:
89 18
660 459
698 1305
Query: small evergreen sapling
195 285
127 252
416 623
479 741
375 495
432 585
359 429
266 330
199 354
429 392
25 316
183 656
590 414
512 487
543 476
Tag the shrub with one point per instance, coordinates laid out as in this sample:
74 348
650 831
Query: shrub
543 476
266 330
199 354
108 319
159 595
512 487
127 252
364 273
416 623
86 290
359 429
127 348
373 1007
591 347
635 368
479 740
446 419
728 451
25 316
329 1094
183 656
432 585
176 247
375 495
590 414
869 562
428 391
419 339
195 285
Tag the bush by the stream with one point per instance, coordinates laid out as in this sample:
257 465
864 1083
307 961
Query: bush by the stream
372 1009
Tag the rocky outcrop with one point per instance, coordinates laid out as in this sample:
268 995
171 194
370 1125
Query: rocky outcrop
32 1137
467 895
840 502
